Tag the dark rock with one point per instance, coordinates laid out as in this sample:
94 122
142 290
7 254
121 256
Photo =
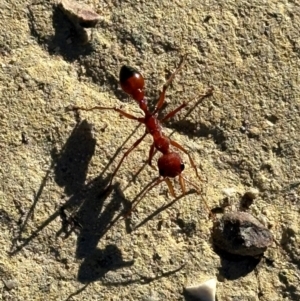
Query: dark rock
242 234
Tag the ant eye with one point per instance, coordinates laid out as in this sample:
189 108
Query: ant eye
182 166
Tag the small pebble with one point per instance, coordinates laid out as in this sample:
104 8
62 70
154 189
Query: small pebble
252 193
254 132
82 16
10 284
79 13
242 234
248 198
206 291
229 192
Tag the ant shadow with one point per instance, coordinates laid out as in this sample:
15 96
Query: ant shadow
85 211
64 41
92 219
129 227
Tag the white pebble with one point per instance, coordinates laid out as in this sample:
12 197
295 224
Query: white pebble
229 192
206 291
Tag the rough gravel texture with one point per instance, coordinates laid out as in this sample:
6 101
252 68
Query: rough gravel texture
246 136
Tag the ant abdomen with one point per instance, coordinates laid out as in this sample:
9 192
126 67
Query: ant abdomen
170 165
132 82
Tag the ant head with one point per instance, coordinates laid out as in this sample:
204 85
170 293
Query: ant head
132 82
170 165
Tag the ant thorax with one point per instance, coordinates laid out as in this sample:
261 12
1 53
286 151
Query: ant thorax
143 105
162 143
153 125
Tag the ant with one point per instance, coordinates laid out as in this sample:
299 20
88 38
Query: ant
170 164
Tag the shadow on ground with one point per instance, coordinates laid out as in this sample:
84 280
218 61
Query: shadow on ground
86 211
83 211
234 266
64 40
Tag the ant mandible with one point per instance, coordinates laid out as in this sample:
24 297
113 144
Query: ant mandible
170 164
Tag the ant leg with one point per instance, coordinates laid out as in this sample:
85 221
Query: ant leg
136 143
182 106
123 113
177 145
151 154
197 189
167 84
173 113
182 184
171 188
156 182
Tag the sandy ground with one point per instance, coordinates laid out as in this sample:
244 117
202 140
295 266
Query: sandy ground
245 136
